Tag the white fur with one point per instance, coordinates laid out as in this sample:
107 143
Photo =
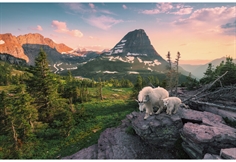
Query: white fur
149 97
172 104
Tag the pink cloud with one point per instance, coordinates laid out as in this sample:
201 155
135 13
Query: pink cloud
207 15
151 12
164 7
208 20
76 7
91 5
106 12
62 28
38 28
124 7
103 22
160 8
183 11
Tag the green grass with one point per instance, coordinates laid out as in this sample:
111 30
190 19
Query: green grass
7 88
97 116
104 114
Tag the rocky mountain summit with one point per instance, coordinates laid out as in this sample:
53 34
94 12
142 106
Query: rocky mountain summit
191 134
10 45
136 43
18 46
35 38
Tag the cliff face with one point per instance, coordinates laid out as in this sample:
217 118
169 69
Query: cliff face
13 45
36 38
10 45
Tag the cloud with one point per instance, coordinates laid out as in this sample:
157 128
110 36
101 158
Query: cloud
90 8
76 7
2 42
164 7
179 9
124 7
106 12
229 25
183 11
103 22
91 5
216 13
210 20
62 28
38 28
151 12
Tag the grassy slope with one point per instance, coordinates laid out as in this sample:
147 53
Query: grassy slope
99 115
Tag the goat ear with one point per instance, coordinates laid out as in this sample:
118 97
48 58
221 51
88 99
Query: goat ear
136 100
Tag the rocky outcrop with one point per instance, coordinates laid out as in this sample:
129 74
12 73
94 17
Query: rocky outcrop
18 46
115 143
159 130
11 59
231 115
204 135
10 45
35 38
229 153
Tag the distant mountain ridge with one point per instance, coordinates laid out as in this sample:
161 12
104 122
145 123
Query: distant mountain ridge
198 70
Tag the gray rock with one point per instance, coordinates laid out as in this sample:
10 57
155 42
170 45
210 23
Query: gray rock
202 139
200 117
211 156
229 153
87 153
159 130
231 115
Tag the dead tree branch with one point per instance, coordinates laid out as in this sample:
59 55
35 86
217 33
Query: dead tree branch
208 86
215 105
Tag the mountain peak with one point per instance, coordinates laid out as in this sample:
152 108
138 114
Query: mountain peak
135 43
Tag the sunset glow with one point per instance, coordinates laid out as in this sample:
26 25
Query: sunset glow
199 31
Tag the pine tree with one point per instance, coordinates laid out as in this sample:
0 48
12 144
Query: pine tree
43 87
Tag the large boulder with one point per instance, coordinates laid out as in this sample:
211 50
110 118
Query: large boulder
201 139
115 143
203 135
229 153
87 153
159 130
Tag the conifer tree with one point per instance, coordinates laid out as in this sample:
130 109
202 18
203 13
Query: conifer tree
43 87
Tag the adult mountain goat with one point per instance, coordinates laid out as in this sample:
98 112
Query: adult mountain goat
149 97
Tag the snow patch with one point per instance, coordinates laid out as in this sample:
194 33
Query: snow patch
73 68
123 40
133 72
110 72
149 69
2 42
139 59
152 63
135 54
130 59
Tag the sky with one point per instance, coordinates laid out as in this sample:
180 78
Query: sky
200 31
